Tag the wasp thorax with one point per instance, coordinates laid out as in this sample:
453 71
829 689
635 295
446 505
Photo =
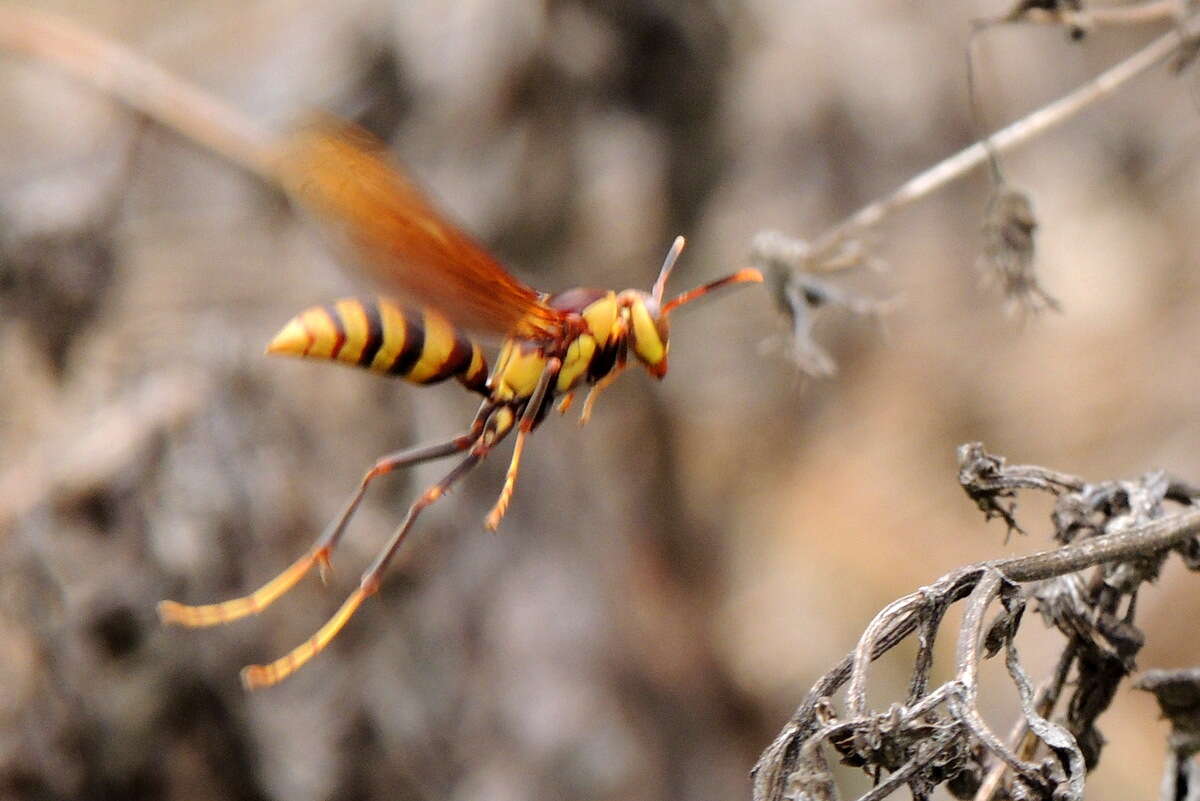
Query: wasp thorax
649 334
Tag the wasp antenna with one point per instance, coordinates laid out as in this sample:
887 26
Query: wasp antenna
668 263
749 275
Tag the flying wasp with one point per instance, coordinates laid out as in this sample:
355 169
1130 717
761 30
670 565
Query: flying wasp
445 291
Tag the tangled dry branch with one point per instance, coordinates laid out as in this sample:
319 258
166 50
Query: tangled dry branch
1122 529
796 265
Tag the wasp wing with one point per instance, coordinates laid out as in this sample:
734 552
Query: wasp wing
402 240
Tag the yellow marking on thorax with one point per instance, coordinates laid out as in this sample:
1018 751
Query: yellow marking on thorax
517 371
440 337
322 332
575 362
600 317
394 332
354 321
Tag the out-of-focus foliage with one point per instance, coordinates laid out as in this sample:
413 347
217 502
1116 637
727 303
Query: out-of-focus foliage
670 579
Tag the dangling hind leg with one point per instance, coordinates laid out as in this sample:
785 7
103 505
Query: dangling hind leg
529 418
318 554
254 676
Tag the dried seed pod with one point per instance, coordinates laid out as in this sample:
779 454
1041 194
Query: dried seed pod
1009 249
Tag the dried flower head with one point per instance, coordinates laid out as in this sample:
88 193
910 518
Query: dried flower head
1009 250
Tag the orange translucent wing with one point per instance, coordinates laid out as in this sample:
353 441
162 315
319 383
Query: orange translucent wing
402 240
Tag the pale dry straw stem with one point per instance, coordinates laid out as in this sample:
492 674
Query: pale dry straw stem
1107 17
119 72
1007 138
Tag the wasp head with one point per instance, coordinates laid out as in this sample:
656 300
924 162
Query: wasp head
646 315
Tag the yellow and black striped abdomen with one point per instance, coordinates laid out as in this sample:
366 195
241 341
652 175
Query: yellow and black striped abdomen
383 337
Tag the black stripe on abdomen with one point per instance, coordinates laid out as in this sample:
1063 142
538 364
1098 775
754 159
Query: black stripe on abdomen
410 354
458 359
339 329
374 333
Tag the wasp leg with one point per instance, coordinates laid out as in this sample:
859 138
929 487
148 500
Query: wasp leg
528 420
254 676
590 401
565 404
318 554
618 334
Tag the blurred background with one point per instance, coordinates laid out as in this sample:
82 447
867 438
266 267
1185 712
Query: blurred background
670 580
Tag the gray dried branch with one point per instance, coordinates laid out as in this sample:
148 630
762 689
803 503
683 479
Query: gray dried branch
965 705
1021 739
1059 739
803 298
806 256
1074 16
139 83
840 247
937 736
987 479
1178 696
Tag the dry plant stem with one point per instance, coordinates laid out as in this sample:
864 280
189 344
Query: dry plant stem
856 691
926 753
1055 736
926 638
1145 539
991 783
965 703
1007 138
1021 740
902 617
119 72
1178 696
1028 476
812 747
1116 16
899 618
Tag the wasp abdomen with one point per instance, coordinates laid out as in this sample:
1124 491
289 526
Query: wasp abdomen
420 346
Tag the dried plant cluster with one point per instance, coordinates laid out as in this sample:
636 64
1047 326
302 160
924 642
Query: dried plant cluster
800 269
1113 538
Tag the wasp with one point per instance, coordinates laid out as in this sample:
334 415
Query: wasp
445 294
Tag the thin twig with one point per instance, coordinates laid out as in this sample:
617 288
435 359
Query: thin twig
926 639
1022 741
1060 741
967 659
856 691
1155 535
1105 17
1004 140
926 753
119 72
1178 696
780 757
